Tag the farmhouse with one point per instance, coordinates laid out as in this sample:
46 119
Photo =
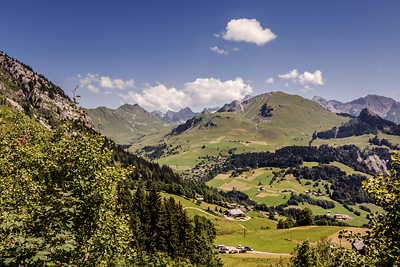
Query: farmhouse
234 213
341 217
287 191
359 246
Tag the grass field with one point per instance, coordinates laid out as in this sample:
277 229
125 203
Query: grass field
250 183
253 260
258 232
246 131
261 234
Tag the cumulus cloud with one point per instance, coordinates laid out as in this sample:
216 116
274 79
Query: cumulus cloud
305 78
205 91
88 79
93 89
219 51
103 82
290 75
159 97
106 82
248 30
236 49
309 78
269 80
202 92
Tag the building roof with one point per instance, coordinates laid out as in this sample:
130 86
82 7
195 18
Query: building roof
359 245
235 212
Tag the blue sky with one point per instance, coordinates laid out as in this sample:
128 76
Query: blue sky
172 54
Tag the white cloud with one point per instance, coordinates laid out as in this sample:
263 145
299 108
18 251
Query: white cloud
291 75
158 97
202 92
88 79
248 30
103 82
309 78
93 89
286 84
269 80
216 35
106 82
107 93
235 49
305 78
219 51
205 91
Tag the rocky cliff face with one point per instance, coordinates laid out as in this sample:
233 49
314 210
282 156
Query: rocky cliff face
34 94
385 107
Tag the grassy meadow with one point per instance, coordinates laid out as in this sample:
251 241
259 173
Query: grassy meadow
246 131
261 234
251 182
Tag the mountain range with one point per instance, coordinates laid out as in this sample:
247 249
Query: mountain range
385 107
126 124
175 117
241 132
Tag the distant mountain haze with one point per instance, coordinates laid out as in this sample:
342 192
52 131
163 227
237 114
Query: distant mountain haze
175 117
385 107
126 123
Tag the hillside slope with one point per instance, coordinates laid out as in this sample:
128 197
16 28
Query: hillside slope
126 123
264 122
33 93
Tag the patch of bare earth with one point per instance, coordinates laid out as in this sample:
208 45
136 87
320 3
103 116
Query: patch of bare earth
344 242
218 140
235 184
221 176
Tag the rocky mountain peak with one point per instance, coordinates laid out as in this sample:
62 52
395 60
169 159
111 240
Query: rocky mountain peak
33 93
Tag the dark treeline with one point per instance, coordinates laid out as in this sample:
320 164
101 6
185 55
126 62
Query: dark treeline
162 226
296 199
383 142
152 174
365 123
165 179
302 217
346 188
294 156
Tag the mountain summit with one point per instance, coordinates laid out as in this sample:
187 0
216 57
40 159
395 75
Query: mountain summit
175 117
34 94
385 107
126 123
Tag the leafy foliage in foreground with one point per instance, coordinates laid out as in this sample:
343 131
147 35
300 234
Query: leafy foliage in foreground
56 202
59 205
381 242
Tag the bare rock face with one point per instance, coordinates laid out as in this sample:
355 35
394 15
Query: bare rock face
235 106
375 163
32 92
